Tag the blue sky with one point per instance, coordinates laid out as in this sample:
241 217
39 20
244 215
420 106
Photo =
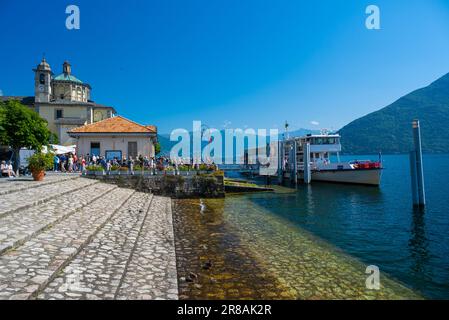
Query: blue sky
240 62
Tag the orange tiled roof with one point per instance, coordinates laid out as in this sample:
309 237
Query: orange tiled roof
117 124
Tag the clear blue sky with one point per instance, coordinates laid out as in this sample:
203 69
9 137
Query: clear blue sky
251 63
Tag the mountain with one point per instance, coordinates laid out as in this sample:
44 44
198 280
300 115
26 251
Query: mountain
389 130
302 132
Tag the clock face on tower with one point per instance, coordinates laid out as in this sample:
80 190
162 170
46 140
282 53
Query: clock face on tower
41 88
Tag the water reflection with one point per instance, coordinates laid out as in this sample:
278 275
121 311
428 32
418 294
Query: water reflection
418 243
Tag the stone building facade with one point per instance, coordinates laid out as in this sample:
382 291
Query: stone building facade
64 101
115 137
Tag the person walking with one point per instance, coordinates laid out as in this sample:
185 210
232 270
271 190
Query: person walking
55 163
131 165
70 163
83 166
80 163
62 162
102 162
108 167
75 162
152 166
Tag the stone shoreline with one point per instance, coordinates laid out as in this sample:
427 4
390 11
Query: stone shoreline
229 250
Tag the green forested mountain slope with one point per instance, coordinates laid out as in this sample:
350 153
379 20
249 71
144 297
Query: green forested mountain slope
389 129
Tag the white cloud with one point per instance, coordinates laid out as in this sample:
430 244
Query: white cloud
314 123
1 93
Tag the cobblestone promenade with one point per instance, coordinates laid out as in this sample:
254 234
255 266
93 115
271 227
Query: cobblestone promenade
75 238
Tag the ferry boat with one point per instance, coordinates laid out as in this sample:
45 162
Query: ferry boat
322 147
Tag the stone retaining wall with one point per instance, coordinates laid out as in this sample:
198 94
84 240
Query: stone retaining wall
175 186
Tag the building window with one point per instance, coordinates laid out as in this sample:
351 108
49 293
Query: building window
59 114
113 154
42 78
132 149
95 148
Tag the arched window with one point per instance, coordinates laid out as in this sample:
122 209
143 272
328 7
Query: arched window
42 78
78 94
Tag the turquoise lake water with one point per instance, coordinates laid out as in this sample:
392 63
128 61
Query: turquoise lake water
379 226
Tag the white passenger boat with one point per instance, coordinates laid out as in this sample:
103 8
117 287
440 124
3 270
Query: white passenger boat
322 148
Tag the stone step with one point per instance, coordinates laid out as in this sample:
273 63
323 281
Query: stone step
20 226
29 268
17 201
20 184
151 271
96 272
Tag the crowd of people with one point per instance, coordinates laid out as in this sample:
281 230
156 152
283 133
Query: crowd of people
72 163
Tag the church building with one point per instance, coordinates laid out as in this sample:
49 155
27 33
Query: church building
63 100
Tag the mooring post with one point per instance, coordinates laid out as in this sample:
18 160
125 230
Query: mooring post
290 161
307 173
416 168
413 179
280 161
295 161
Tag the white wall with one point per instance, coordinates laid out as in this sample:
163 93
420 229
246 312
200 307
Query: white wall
145 146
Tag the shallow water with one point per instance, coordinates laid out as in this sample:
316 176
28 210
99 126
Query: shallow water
316 241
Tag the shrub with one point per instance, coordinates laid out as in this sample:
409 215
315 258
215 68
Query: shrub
94 168
40 162
218 173
206 184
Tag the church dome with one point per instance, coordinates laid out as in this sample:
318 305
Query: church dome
67 77
66 74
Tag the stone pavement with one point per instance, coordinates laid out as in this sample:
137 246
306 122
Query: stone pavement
17 184
75 238
30 197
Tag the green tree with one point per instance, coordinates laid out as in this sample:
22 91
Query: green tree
21 127
157 148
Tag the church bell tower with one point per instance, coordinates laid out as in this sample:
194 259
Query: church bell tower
42 82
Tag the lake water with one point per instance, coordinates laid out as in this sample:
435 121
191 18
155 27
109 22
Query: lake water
317 240
379 225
